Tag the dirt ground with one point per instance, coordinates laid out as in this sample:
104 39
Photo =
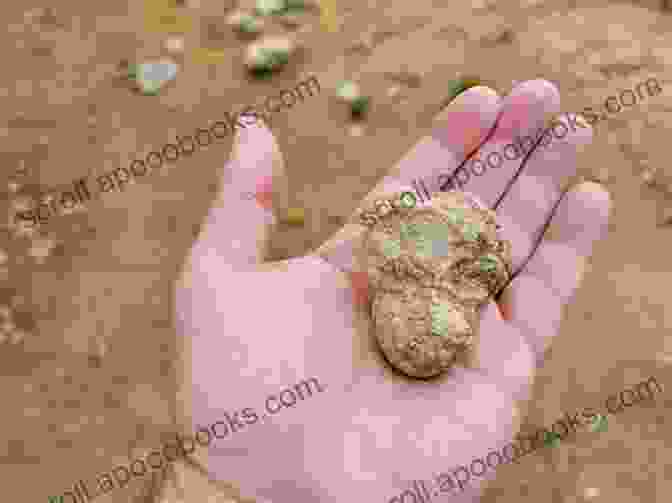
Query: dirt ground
87 366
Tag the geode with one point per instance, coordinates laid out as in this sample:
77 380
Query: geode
430 269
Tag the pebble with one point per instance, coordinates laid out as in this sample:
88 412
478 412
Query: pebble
591 492
356 130
458 86
295 216
599 424
269 53
393 91
269 7
174 45
245 22
348 91
153 75
3 256
41 249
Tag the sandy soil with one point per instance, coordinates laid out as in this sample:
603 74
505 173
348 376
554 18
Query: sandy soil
87 374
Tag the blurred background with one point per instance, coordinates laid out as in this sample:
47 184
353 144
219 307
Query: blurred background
87 347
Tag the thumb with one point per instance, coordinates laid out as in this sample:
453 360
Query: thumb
235 230
503 352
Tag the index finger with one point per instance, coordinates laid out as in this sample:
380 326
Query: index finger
457 131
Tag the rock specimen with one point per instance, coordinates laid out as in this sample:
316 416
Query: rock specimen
430 268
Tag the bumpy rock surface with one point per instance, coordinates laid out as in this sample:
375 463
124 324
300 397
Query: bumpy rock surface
430 268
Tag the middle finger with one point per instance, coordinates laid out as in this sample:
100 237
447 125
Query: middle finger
524 114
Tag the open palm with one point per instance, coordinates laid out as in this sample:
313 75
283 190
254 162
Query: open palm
251 330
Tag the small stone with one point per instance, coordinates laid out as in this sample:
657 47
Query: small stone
393 92
359 107
552 439
424 289
295 216
268 54
458 86
5 311
13 187
3 256
599 424
245 22
270 7
356 130
253 25
174 45
41 249
591 492
152 76
348 91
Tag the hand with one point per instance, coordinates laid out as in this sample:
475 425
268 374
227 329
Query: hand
251 330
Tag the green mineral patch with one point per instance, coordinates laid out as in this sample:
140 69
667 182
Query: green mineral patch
392 248
599 424
440 315
455 216
471 231
488 263
552 439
